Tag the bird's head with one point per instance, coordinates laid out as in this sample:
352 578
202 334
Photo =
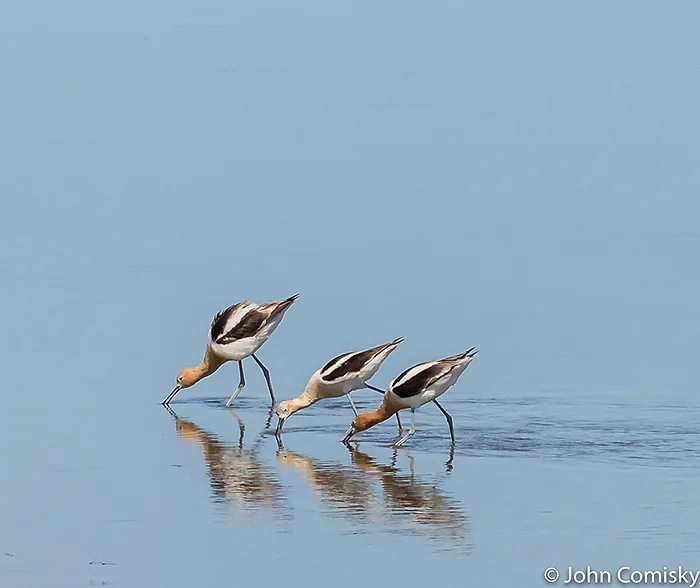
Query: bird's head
360 423
187 377
284 410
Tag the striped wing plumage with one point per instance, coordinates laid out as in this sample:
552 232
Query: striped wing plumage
245 319
421 377
350 365
227 318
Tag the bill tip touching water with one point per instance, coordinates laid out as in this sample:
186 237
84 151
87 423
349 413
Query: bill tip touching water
241 329
339 377
418 385
236 333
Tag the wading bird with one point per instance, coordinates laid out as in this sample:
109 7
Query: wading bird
340 376
234 334
412 389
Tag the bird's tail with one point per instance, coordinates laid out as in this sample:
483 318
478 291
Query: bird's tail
470 353
282 306
388 346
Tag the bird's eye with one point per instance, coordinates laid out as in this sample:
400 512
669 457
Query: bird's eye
179 378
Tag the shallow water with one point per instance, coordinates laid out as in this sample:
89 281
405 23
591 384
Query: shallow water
520 177
202 493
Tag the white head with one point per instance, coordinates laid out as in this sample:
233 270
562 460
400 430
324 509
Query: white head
287 408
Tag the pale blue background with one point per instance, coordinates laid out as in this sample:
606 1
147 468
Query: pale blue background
519 176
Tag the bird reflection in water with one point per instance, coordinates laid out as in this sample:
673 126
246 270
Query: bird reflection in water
370 492
236 475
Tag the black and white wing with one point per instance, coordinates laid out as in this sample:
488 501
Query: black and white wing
423 376
353 364
246 319
227 319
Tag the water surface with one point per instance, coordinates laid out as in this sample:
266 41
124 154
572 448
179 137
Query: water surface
519 177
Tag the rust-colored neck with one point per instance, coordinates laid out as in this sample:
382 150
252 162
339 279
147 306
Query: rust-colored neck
369 419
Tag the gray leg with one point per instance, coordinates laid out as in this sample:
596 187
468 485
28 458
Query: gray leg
269 416
351 403
398 418
266 373
411 432
449 420
448 463
241 385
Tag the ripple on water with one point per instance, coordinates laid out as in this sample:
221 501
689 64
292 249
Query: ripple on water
659 434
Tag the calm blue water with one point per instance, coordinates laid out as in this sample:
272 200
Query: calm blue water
519 177
205 494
